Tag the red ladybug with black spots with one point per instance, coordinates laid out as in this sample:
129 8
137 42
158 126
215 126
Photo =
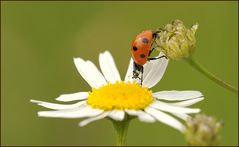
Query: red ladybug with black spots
141 49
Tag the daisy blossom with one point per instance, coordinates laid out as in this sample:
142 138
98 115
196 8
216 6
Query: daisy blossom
116 99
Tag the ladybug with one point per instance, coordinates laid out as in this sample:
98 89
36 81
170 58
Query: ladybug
141 49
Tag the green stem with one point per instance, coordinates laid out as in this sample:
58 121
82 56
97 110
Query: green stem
209 75
121 128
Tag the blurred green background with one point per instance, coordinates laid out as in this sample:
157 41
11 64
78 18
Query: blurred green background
40 39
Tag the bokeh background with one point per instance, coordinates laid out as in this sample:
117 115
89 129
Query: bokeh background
40 39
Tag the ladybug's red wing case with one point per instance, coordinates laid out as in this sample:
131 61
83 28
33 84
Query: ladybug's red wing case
141 46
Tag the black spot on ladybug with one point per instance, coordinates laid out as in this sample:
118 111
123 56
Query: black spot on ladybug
142 55
135 48
145 40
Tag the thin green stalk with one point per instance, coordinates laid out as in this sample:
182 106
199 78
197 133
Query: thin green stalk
209 75
121 128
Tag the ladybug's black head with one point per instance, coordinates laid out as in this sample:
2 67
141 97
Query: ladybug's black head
155 34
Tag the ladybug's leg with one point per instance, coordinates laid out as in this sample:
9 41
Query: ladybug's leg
163 56
151 51
159 30
142 73
155 35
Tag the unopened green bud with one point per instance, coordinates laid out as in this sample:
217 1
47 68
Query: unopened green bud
176 41
203 130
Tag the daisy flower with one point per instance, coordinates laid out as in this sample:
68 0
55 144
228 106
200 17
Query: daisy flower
120 99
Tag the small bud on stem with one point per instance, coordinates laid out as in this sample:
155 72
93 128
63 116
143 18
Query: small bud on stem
203 130
176 41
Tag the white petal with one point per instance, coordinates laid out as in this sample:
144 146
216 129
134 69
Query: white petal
187 102
58 106
156 71
129 73
144 117
73 96
89 72
86 111
81 67
182 116
97 76
89 120
148 67
166 119
108 67
173 109
174 95
117 115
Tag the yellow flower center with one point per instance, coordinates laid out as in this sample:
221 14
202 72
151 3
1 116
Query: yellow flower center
120 95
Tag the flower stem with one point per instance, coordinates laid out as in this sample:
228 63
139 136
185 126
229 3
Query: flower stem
209 75
121 128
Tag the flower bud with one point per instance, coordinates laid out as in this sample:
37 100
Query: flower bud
176 41
203 130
